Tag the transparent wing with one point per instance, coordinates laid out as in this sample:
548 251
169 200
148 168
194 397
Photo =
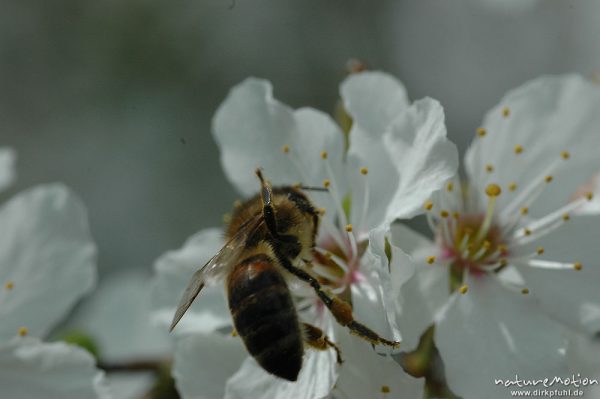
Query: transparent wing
218 264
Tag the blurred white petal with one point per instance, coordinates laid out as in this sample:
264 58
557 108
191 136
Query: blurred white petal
251 128
316 379
374 100
117 317
30 369
173 271
365 374
130 385
7 167
48 257
583 355
493 333
204 363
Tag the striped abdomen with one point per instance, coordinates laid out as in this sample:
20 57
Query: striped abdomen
265 317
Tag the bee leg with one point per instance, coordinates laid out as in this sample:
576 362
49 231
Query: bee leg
316 339
341 310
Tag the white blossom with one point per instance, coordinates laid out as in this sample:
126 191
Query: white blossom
367 189
514 252
47 263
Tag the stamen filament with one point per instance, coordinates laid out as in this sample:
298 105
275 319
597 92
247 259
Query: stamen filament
336 259
366 198
492 191
546 264
334 191
530 192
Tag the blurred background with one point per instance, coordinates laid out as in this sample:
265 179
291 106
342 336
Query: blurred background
115 98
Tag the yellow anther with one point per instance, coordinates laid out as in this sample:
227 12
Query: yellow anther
527 231
525 291
481 132
385 389
489 168
237 203
227 218
503 248
321 211
505 112
549 178
431 260
565 155
297 185
589 196
428 205
23 331
503 262
444 214
486 244
524 210
540 250
512 186
285 149
364 171
326 183
234 333
566 217
450 186
463 289
578 266
324 154
493 190
518 149
348 228
456 215
9 285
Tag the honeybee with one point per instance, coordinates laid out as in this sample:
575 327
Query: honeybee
272 235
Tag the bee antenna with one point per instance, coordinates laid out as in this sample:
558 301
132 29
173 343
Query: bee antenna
312 188
266 188
259 174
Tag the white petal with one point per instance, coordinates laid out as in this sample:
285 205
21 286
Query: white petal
7 167
173 271
422 156
47 253
425 293
316 379
364 373
382 179
374 100
583 354
591 207
569 295
251 128
379 284
130 385
548 115
204 363
30 369
493 333
117 316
